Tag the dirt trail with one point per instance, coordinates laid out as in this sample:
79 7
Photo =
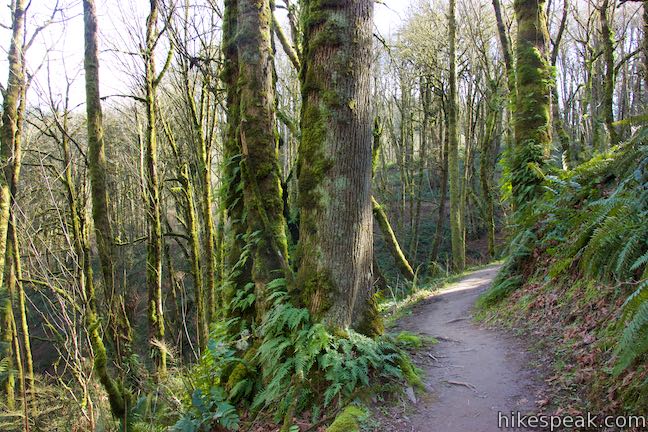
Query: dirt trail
473 372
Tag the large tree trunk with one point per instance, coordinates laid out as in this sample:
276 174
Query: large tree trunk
239 265
457 237
532 109
260 165
336 245
154 245
117 396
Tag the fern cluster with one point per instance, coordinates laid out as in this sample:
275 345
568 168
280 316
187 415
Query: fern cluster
593 220
286 365
306 366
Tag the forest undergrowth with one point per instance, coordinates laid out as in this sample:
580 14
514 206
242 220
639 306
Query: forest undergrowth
575 281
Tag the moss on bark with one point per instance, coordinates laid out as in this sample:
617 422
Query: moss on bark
335 247
262 191
532 114
154 218
457 238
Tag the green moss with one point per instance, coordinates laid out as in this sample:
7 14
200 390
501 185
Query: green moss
348 420
412 340
239 373
410 372
314 164
372 323
532 106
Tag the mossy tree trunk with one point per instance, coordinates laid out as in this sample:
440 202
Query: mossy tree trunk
457 237
12 236
259 148
645 42
196 269
186 205
609 80
239 265
204 148
118 326
154 244
13 277
336 246
8 136
117 395
532 114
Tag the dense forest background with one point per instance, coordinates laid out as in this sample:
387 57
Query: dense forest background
216 242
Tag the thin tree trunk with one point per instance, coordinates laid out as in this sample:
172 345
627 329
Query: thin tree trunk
609 79
381 216
154 245
117 395
486 166
192 227
119 329
506 48
645 42
559 125
11 96
456 219
393 246
209 240
443 186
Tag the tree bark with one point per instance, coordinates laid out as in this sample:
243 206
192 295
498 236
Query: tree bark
532 109
609 79
117 396
239 265
456 214
154 244
259 148
11 96
336 246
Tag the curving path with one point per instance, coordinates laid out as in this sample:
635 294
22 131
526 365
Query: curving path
473 373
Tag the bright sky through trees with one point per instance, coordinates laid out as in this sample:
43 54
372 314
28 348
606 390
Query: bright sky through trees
118 17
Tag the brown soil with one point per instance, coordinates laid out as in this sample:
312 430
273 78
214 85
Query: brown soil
471 374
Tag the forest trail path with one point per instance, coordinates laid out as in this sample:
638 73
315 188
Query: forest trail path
473 372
